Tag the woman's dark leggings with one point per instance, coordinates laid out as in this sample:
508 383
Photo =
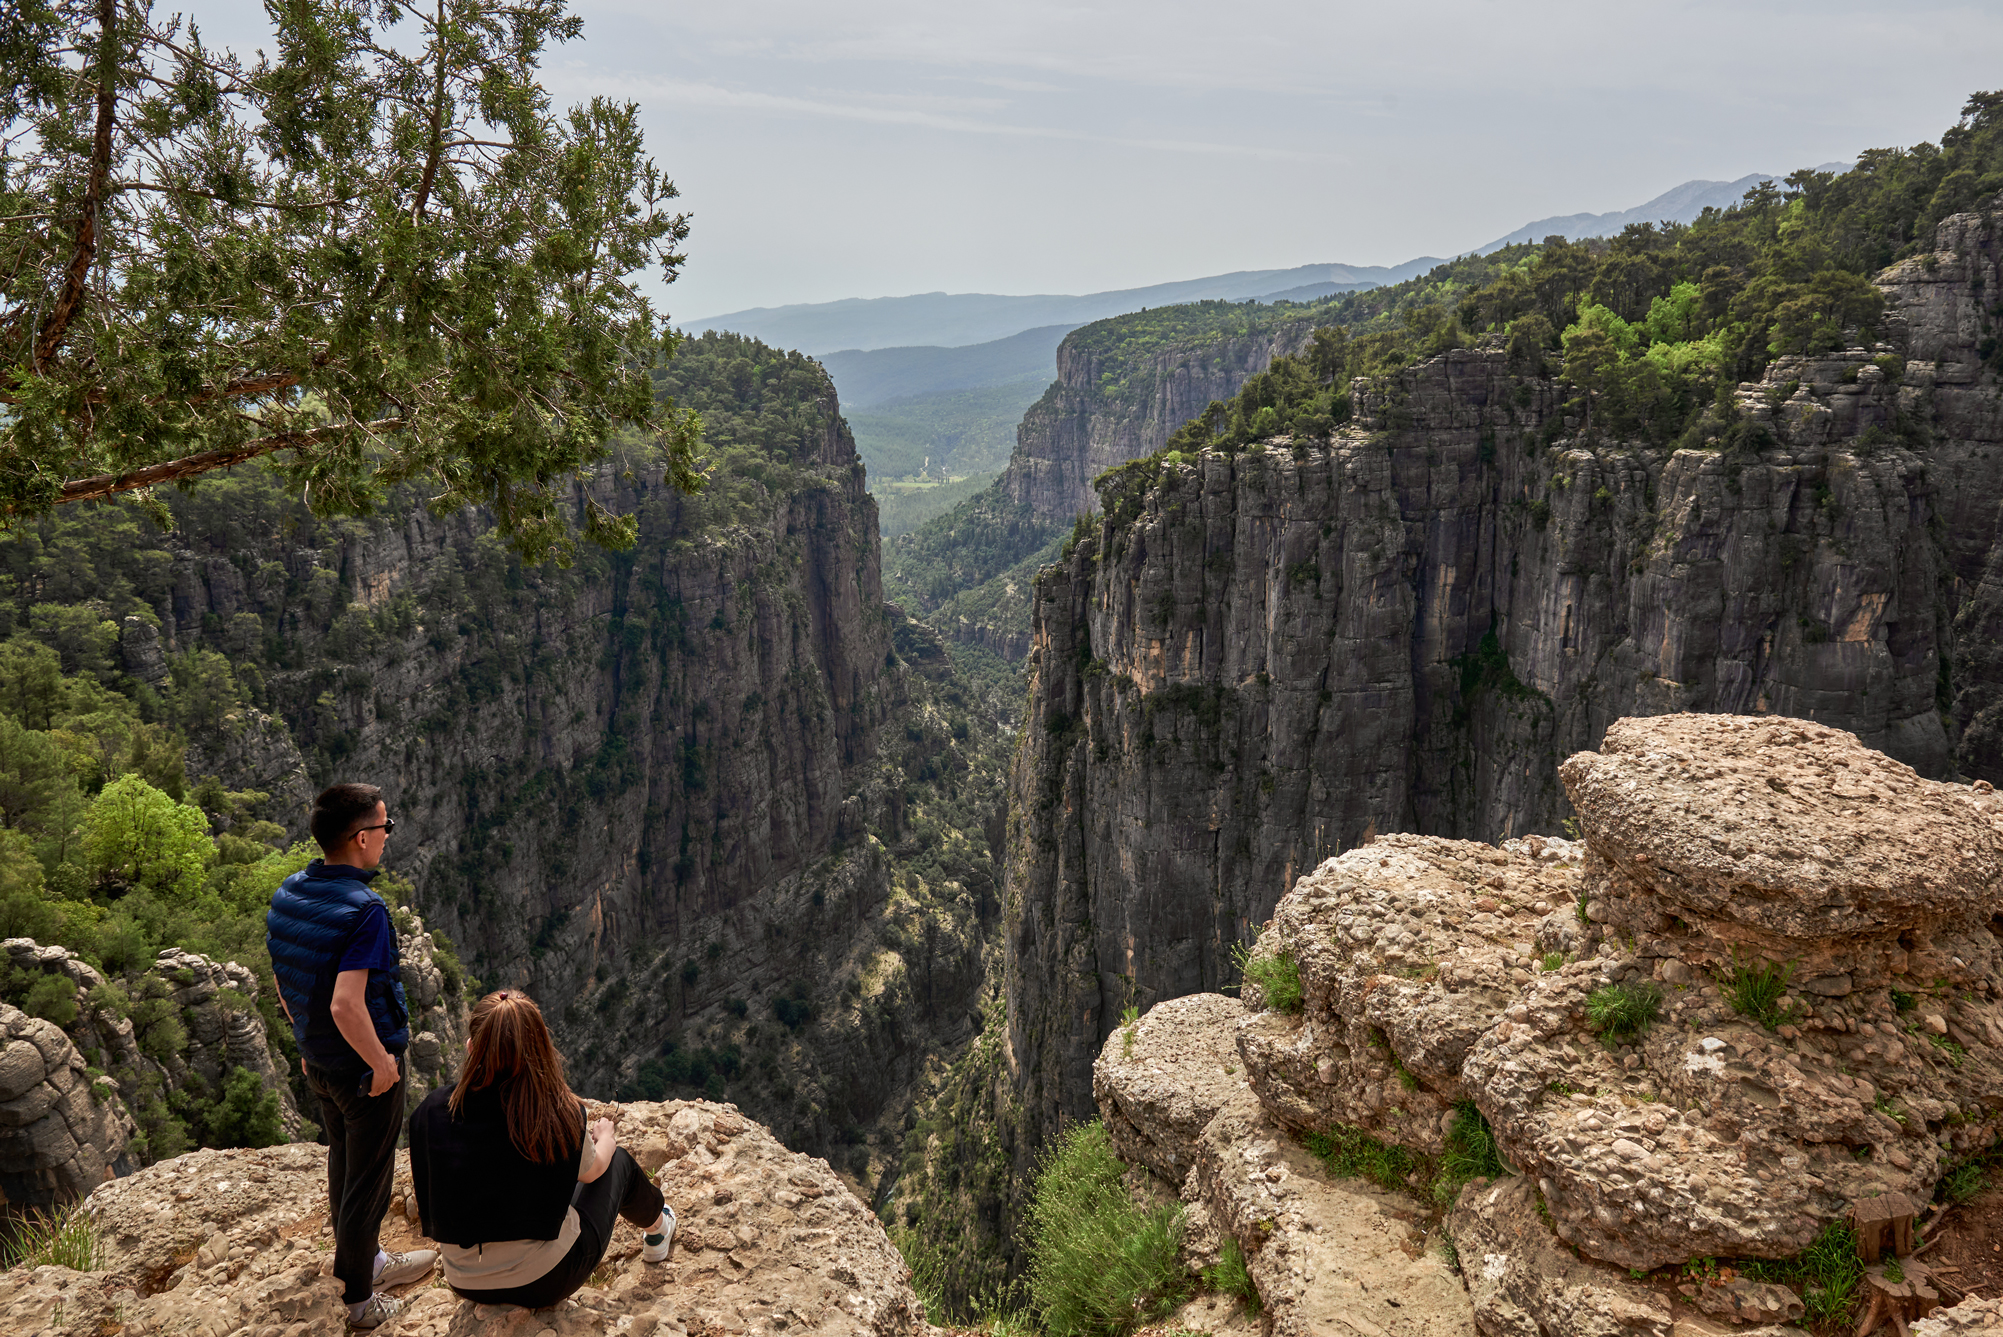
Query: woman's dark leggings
623 1190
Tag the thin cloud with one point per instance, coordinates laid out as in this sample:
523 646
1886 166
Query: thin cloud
691 93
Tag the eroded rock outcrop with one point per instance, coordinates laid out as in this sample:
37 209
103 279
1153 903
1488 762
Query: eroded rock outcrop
236 1242
1759 996
62 1131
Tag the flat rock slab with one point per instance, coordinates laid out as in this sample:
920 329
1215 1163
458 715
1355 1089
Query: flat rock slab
218 1242
1333 1258
1783 825
1161 1080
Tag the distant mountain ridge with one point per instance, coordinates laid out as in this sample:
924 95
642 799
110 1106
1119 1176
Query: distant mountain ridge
1683 204
865 377
956 319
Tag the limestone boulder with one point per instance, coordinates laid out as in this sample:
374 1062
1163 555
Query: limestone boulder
1973 1315
62 1129
1160 1081
1522 1279
1409 950
1780 829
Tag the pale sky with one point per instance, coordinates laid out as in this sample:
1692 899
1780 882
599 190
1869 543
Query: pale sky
884 147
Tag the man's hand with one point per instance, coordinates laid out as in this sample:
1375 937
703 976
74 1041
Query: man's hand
351 1016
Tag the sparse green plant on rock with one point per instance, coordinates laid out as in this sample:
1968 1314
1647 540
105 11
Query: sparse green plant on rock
1552 960
1826 1273
1622 1012
1229 1276
1756 991
1353 1154
65 1237
1277 975
1130 1021
1471 1154
1099 1264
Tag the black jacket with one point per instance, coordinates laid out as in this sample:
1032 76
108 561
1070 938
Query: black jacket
473 1186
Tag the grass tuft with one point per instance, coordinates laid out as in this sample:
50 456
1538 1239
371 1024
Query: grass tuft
1623 1011
66 1237
1826 1274
1278 977
1755 991
1471 1154
1099 1264
1230 1276
1353 1154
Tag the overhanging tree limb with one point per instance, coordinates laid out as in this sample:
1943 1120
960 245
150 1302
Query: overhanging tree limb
107 485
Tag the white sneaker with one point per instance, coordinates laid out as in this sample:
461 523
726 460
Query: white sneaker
400 1268
658 1244
373 1312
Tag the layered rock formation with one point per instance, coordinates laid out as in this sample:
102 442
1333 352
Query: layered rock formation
1080 429
62 1131
1767 999
236 1242
1254 661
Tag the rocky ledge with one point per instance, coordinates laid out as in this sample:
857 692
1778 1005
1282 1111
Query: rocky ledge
1758 997
236 1244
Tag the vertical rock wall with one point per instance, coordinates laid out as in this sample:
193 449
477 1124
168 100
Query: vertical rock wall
1259 660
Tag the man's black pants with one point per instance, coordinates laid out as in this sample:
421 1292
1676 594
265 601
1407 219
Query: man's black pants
361 1164
623 1190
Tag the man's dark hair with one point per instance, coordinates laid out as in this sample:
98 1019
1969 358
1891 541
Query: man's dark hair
337 810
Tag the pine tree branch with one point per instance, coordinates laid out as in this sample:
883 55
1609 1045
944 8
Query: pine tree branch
106 485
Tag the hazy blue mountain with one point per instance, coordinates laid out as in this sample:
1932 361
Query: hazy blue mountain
954 320
1680 205
871 376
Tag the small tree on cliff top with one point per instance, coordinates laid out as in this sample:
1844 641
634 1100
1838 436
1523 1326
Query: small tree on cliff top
376 254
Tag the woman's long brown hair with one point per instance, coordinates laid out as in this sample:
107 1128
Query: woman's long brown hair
510 1046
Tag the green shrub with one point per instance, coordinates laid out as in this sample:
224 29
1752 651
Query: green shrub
1278 977
65 1237
1099 1264
1471 1154
1621 1012
246 1114
1755 991
1229 1276
52 998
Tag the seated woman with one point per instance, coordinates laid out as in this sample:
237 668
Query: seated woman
517 1191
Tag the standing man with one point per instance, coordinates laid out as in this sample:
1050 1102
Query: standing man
340 982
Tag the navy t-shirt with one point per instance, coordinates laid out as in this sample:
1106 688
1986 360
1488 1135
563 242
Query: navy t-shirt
374 945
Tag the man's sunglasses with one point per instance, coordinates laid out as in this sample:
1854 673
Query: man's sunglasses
386 826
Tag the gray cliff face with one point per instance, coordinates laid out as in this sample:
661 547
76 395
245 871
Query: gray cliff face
649 790
1081 428
1257 662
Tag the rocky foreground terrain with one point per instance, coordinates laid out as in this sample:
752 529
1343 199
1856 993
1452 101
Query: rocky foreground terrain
1647 1158
236 1244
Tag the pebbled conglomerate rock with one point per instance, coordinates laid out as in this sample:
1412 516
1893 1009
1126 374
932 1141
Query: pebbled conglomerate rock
235 1243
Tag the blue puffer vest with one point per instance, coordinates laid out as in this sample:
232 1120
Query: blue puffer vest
313 915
